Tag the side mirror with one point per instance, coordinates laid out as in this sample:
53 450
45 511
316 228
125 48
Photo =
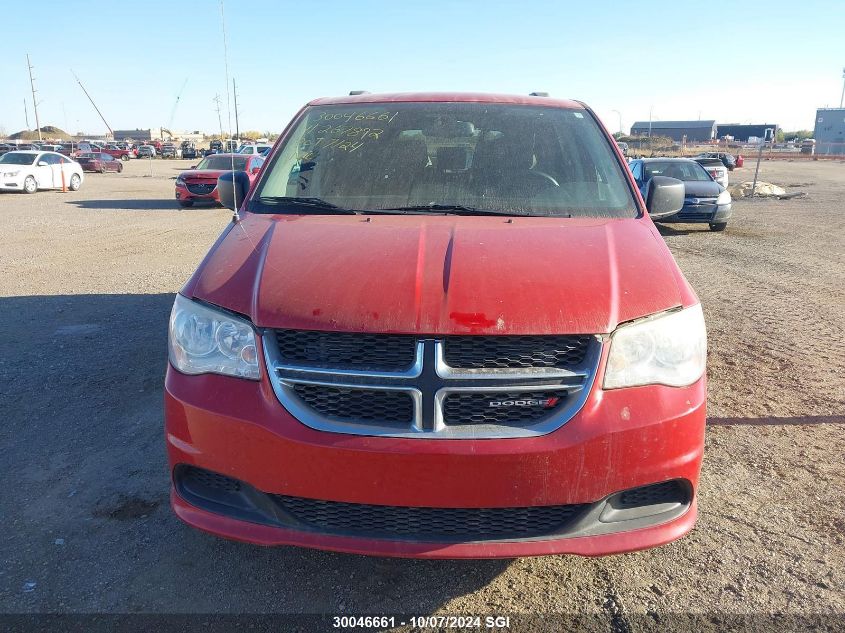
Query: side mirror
193 166
664 196
255 170
42 163
232 187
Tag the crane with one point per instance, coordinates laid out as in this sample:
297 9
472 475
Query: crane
176 105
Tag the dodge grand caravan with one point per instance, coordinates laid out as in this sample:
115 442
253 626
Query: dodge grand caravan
439 325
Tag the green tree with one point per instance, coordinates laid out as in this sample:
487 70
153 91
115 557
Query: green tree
798 135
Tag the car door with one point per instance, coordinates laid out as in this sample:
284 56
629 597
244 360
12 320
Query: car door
66 166
45 171
637 172
108 162
55 162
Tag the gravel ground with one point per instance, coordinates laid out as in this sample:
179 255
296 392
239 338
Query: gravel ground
86 284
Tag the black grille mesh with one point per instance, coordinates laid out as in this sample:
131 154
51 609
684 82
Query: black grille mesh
201 188
515 352
696 215
428 524
369 405
513 408
209 479
347 350
666 492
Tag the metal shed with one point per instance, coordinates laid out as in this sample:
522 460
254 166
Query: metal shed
830 131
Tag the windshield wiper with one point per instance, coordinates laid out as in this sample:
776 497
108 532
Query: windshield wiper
311 204
459 209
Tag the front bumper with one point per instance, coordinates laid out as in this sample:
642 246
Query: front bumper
11 183
712 214
182 193
621 439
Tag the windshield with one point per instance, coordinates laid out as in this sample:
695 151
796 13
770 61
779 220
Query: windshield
686 170
17 158
521 160
223 162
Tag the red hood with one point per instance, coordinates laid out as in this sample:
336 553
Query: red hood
202 174
441 274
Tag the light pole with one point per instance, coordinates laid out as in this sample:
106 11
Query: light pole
620 119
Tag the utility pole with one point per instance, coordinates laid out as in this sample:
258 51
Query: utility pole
842 98
650 112
219 120
768 134
620 120
34 102
237 127
108 127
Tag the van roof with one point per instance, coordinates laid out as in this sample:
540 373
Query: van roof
469 97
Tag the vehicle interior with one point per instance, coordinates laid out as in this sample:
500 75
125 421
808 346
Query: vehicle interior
538 161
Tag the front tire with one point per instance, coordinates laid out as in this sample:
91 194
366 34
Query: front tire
120 168
125 158
718 226
75 182
29 185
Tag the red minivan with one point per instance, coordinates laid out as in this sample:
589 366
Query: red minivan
444 326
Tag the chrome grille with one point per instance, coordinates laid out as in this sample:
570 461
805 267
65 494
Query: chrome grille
435 387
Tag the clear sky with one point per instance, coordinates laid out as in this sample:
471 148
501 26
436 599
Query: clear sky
737 61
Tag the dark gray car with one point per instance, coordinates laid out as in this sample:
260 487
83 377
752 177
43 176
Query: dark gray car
705 200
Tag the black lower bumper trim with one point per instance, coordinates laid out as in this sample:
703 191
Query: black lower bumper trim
622 511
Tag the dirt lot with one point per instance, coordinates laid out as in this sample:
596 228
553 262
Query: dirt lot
86 284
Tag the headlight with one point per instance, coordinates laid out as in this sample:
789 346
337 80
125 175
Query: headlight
180 181
724 197
12 174
669 350
203 340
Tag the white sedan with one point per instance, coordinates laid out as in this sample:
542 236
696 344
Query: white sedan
30 171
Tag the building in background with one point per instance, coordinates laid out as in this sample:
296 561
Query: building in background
742 132
830 131
158 133
150 134
691 131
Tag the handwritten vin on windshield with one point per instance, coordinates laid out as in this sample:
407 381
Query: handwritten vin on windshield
346 131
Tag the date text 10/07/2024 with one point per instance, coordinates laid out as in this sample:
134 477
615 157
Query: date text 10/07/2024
423 622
